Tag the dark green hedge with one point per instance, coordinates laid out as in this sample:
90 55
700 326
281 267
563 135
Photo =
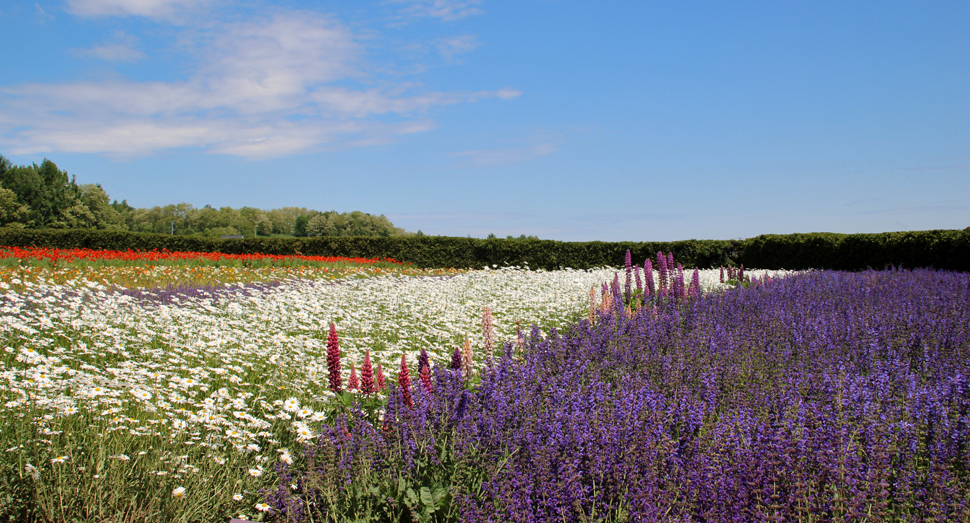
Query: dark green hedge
942 249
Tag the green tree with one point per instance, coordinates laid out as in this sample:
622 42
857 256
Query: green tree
299 225
52 198
12 213
97 202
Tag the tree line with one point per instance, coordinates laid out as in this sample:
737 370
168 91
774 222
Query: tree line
45 197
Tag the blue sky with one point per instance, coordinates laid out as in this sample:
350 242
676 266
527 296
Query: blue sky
569 120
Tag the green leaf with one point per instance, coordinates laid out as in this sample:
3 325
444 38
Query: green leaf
426 498
439 494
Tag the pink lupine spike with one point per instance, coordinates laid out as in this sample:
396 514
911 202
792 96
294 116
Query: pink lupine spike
352 383
424 371
466 359
425 375
488 332
366 375
379 381
333 360
404 382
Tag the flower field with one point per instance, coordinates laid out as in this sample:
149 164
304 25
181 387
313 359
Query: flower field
151 392
194 392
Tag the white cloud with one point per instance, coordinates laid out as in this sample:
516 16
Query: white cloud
446 10
282 84
494 157
165 9
451 46
115 53
121 51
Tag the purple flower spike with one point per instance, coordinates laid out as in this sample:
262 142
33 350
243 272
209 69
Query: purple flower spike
679 287
636 275
662 267
456 359
695 284
648 276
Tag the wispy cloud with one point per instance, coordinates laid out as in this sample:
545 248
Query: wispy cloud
496 157
122 51
938 207
455 45
275 85
42 14
164 9
446 10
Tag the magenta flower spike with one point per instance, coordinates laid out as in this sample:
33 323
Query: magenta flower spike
333 360
424 370
379 378
722 274
670 260
404 382
695 284
367 375
353 383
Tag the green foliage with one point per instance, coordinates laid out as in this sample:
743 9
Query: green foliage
940 249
